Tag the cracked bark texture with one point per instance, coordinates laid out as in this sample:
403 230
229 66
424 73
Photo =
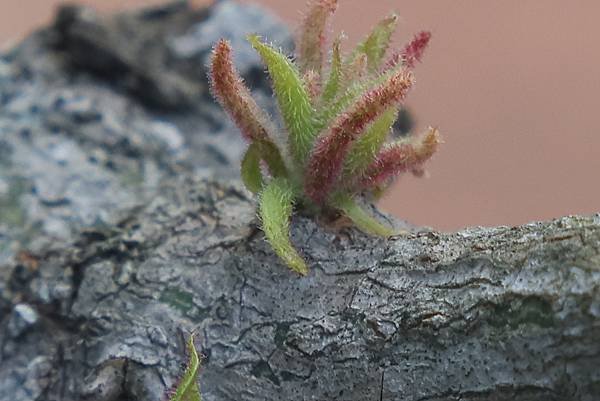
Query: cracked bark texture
122 230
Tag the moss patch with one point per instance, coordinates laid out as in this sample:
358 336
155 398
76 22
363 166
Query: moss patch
13 214
529 310
183 301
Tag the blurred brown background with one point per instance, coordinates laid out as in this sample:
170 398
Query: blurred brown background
512 84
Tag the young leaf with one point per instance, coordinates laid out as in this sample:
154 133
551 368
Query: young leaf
250 171
331 148
271 155
312 35
335 73
313 85
293 98
354 71
377 42
350 90
228 88
275 211
187 389
355 90
366 147
398 158
359 217
412 52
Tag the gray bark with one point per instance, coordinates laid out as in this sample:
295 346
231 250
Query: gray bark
121 233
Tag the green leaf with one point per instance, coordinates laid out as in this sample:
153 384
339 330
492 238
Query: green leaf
187 389
363 221
366 147
329 112
293 98
335 73
327 159
275 210
312 82
377 42
252 176
351 95
251 173
271 155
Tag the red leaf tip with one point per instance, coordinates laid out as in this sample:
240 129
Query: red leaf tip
228 88
413 52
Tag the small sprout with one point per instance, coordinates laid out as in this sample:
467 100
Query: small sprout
338 116
187 388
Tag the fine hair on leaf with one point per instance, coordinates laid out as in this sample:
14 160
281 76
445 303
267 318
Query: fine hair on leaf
276 203
187 388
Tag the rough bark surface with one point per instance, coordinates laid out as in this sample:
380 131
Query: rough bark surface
120 234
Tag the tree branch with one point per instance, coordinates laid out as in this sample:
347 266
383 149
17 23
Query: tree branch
112 249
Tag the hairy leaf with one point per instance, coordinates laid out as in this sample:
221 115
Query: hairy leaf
187 389
228 88
335 73
276 202
345 99
354 71
355 90
332 147
377 42
251 172
313 85
293 98
398 158
412 52
363 221
271 155
311 40
366 147
251 164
